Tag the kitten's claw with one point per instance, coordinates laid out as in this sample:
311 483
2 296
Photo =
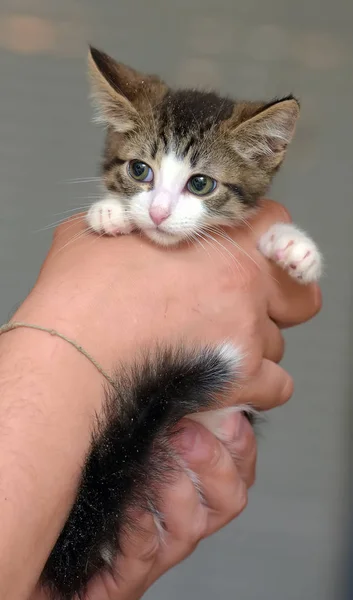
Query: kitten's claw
293 250
109 217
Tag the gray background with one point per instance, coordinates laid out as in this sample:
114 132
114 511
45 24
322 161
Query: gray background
291 541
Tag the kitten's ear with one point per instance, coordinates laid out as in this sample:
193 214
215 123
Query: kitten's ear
108 79
264 137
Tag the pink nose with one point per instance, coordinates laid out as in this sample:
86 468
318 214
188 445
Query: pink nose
159 214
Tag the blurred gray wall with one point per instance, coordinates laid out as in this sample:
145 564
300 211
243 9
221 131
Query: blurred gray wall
290 542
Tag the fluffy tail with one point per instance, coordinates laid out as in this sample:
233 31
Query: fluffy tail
130 458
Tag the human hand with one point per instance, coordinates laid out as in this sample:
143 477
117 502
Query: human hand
224 471
114 296
129 290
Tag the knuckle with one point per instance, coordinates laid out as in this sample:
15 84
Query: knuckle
251 471
317 299
142 540
279 211
253 356
278 352
182 490
246 447
274 345
242 500
284 213
198 527
149 547
287 389
237 503
251 366
217 457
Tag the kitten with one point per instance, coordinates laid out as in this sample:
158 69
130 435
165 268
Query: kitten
176 164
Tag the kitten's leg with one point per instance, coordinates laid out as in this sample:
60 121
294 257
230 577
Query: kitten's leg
293 250
108 216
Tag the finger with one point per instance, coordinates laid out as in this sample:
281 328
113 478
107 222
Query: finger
274 344
223 489
184 516
131 573
291 303
224 492
184 520
271 386
242 447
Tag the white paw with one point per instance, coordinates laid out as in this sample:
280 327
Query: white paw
109 217
293 250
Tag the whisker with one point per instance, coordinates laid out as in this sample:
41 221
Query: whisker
240 266
234 259
57 223
89 197
197 238
81 180
70 210
75 238
246 222
225 236
209 239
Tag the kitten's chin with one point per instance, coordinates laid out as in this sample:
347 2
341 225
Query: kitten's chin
162 238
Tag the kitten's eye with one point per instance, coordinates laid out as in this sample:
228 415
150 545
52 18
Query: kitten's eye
200 185
140 171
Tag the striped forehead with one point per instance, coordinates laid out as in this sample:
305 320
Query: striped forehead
186 118
186 110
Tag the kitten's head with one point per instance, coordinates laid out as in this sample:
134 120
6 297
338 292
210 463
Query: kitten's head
185 161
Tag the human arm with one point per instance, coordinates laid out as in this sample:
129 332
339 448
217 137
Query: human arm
112 296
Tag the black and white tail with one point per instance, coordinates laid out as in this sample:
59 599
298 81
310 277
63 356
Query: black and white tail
131 457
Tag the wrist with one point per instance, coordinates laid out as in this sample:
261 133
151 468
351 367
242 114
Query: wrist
51 361
109 321
71 319
49 396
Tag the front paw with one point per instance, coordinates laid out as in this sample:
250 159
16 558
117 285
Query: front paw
292 250
108 216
